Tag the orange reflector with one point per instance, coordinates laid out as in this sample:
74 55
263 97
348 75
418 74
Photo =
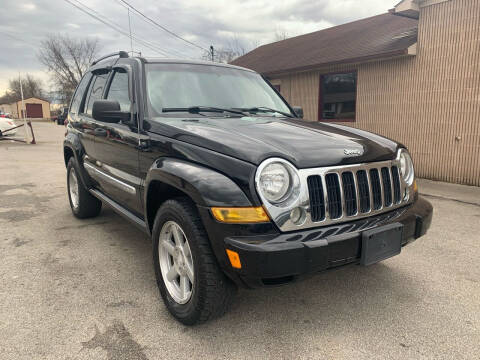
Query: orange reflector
234 259
415 186
240 215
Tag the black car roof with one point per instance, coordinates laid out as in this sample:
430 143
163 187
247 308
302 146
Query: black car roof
152 60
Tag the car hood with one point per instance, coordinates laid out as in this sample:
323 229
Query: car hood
254 139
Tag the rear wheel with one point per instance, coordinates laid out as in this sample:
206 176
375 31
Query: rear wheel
83 204
192 286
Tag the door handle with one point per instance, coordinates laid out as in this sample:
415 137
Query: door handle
100 132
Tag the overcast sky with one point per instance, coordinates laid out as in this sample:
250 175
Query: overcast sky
24 23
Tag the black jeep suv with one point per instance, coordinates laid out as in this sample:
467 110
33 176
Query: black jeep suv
234 188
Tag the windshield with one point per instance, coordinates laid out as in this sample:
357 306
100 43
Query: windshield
192 85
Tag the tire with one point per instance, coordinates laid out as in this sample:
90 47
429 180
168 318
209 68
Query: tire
83 204
211 292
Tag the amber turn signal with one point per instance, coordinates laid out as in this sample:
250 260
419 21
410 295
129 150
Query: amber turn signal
240 215
234 259
415 186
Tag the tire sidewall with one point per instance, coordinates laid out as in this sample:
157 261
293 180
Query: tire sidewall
71 167
170 212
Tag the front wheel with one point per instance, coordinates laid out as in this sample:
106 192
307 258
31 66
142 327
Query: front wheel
192 286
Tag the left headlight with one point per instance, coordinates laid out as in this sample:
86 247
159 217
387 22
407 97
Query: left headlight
277 181
406 167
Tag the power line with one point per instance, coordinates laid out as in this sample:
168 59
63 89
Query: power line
163 27
17 38
177 53
115 27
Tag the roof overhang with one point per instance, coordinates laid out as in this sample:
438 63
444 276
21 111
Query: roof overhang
411 8
410 51
407 8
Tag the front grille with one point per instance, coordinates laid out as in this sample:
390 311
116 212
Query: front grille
353 192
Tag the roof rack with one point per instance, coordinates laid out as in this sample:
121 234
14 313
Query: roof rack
121 54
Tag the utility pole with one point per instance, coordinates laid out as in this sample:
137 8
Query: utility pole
23 110
212 54
130 30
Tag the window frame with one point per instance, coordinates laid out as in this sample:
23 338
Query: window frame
320 96
88 93
111 76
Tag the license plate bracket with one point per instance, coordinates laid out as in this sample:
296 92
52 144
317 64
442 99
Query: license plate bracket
381 243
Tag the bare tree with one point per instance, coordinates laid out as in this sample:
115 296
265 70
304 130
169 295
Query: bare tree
280 34
67 60
32 87
232 50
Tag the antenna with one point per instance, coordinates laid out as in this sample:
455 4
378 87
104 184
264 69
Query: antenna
130 30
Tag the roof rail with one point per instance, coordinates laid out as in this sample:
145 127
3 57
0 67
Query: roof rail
121 54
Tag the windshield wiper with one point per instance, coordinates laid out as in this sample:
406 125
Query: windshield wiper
264 109
198 109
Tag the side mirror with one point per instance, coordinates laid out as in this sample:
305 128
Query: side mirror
109 111
298 111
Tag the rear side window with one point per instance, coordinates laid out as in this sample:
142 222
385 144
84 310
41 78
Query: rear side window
78 97
96 91
119 90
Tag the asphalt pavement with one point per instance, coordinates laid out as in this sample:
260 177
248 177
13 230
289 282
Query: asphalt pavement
85 289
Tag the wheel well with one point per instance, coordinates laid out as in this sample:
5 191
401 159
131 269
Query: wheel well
67 154
158 193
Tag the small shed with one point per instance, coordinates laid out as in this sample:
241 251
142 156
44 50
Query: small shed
35 108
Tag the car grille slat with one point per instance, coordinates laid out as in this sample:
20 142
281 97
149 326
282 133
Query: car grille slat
363 191
376 189
333 196
396 185
317 203
349 193
387 187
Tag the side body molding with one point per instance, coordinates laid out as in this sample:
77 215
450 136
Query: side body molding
205 186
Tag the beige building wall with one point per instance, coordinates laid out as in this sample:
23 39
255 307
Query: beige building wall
429 102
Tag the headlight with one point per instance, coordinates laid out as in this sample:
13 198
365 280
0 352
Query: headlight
277 181
406 167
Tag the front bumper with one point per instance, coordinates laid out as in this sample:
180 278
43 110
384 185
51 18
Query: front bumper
275 259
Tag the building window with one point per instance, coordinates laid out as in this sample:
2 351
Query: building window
338 94
277 87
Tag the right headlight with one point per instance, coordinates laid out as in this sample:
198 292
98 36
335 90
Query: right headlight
277 182
406 167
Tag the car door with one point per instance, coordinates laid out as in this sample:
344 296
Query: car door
75 114
116 145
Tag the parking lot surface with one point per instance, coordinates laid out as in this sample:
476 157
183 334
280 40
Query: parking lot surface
72 289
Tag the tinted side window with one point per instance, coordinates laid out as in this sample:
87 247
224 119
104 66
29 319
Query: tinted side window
96 91
78 97
119 90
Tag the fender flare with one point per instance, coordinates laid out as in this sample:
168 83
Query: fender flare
205 186
72 142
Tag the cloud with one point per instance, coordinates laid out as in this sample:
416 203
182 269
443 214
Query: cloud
25 24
